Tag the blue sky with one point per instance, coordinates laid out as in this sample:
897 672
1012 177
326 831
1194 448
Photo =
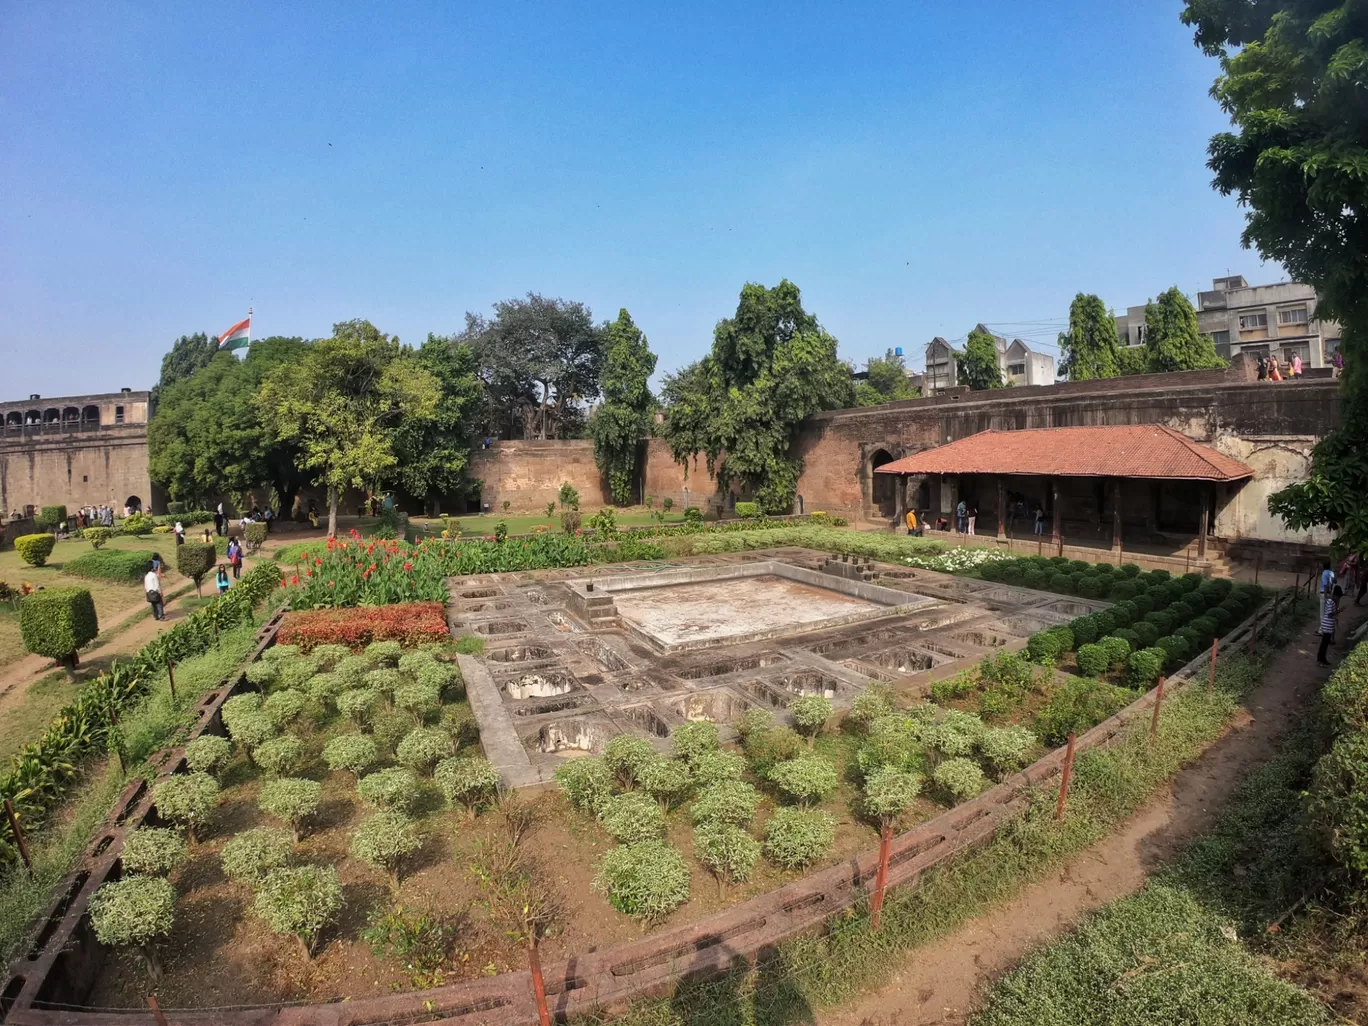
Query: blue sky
914 167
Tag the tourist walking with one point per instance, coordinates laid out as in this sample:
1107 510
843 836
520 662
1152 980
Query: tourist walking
911 521
961 517
972 516
152 586
235 557
220 520
1039 519
1273 373
1327 579
1263 368
180 533
221 578
1296 365
1328 621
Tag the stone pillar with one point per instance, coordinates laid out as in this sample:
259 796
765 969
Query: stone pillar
1116 515
1057 538
1205 520
899 504
1002 508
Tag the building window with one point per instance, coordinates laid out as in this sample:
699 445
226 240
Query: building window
1297 315
1221 338
1255 320
1016 369
85 478
118 415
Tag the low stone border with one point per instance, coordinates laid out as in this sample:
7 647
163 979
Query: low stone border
65 958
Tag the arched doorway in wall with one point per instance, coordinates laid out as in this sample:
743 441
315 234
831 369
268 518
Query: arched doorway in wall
884 488
133 503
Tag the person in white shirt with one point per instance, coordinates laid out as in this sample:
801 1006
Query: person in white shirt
152 585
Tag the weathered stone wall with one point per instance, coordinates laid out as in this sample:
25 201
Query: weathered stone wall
85 466
529 474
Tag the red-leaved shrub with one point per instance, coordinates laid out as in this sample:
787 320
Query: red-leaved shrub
410 623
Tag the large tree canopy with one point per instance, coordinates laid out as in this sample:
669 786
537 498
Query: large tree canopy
188 354
1294 80
624 417
1089 348
206 439
886 381
539 359
771 366
1172 341
434 454
345 402
978 364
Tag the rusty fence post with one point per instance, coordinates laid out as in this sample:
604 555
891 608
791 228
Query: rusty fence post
19 840
171 675
881 874
1211 677
1253 633
1065 779
538 985
157 1013
1154 722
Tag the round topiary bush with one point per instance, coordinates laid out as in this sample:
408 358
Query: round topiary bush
384 841
411 662
1007 749
351 670
767 748
393 788
282 652
727 801
358 703
960 779
152 851
470 781
1084 630
632 817
1107 621
134 912
284 706
194 560
712 767
57 622
1118 650
354 753
668 781
623 754
1147 632
1035 579
97 536
1143 667
263 673
292 800
301 901
1176 648
296 673
810 714
806 780
955 734
753 721
328 656
446 679
385 680
424 747
384 653
868 706
34 549
727 851
1129 636
418 699
324 688
893 740
280 756
254 854
690 740
1092 660
251 730
188 799
647 880
889 792
208 753
795 838
586 783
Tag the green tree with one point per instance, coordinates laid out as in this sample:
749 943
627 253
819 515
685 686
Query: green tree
887 381
434 454
188 354
978 364
540 360
1172 341
1090 347
771 366
619 424
206 437
1293 82
344 402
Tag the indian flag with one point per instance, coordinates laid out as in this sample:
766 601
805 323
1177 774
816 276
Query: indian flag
239 336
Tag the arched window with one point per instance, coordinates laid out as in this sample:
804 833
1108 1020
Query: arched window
33 417
884 492
52 415
90 415
71 415
13 417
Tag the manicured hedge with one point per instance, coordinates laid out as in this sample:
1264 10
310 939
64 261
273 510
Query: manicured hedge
56 622
195 559
410 623
50 516
109 565
34 549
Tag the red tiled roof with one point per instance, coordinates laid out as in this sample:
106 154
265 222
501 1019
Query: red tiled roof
1142 450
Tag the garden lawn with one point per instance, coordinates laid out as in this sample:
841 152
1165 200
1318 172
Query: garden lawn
483 524
27 718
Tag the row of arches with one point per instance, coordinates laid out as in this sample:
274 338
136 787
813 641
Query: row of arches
53 415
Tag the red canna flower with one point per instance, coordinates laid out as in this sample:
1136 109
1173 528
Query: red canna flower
408 566
294 579
332 584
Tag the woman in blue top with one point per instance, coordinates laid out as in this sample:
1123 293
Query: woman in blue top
222 579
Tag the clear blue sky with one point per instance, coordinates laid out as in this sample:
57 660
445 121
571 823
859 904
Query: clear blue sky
914 167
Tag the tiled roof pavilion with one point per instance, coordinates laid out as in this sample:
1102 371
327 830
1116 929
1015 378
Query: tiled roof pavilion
1129 451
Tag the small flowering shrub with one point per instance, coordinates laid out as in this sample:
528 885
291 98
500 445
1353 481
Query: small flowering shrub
264 673
329 655
358 704
587 783
291 800
807 779
393 788
152 851
385 680
868 706
254 854
300 901
648 880
753 721
384 841
252 729
766 748
795 838
893 739
384 653
188 799
889 792
957 561
352 670
810 714
960 779
690 740
726 850
239 706
632 817
295 673
134 912
208 753
284 706
410 623
324 688
281 651
713 767
441 676
727 801
421 749
354 753
411 662
1007 749
280 756
625 754
468 781
956 734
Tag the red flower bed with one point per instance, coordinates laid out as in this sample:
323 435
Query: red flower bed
411 623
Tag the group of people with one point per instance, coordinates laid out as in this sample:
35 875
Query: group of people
152 580
1352 575
94 516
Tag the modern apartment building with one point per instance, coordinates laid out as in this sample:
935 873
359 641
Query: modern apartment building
1256 319
1020 365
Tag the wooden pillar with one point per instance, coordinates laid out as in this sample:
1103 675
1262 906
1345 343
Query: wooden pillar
1116 514
1205 518
1057 538
1002 508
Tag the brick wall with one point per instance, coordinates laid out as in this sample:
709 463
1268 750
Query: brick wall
107 465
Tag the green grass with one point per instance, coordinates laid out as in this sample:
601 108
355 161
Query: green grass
849 958
475 526
27 718
110 564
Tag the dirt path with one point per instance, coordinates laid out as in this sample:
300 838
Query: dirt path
940 984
